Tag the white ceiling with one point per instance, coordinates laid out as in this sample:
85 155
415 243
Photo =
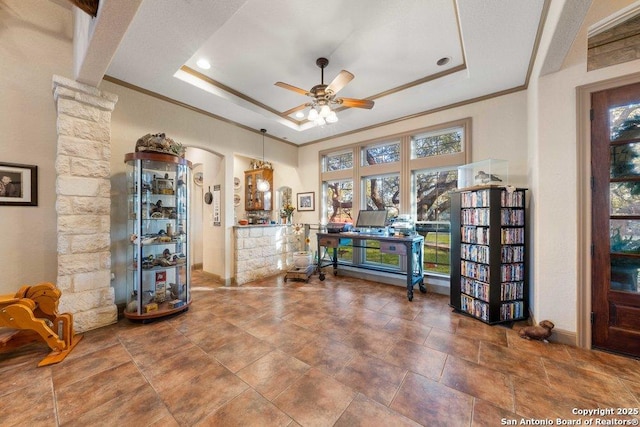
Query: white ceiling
391 46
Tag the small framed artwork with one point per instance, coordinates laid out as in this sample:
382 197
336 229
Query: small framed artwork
306 201
18 185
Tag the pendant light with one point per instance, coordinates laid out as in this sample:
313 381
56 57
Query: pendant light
262 184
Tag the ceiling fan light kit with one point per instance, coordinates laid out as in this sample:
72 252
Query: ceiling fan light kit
324 97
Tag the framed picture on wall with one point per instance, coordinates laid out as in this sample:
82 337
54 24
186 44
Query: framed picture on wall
18 185
306 201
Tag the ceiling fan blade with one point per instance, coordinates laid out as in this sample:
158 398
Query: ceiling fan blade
356 103
340 81
295 109
293 88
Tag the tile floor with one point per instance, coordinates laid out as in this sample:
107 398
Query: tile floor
343 352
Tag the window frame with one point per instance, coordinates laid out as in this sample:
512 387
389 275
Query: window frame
405 167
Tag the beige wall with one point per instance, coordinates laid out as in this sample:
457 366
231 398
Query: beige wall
554 171
31 32
137 114
535 130
497 131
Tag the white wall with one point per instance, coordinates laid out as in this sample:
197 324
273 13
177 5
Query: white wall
36 31
553 163
207 239
31 32
197 215
137 114
497 131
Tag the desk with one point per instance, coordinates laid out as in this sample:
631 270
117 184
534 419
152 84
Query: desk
409 248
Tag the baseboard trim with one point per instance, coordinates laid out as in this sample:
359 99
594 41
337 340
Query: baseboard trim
561 336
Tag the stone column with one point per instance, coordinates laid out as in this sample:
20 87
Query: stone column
83 203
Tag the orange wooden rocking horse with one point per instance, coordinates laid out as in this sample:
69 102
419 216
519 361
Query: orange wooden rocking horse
34 309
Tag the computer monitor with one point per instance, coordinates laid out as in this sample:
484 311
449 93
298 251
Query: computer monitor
371 219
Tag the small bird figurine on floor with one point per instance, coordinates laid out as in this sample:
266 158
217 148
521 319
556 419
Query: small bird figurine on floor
540 332
483 178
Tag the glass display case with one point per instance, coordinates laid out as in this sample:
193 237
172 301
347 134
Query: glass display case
254 199
159 270
484 173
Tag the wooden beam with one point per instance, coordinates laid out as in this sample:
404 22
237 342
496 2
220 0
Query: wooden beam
88 6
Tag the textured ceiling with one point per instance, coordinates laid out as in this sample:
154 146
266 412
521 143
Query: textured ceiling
391 46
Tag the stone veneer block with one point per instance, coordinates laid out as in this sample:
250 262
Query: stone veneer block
83 202
92 280
79 263
94 318
263 251
83 224
90 168
83 129
81 148
78 186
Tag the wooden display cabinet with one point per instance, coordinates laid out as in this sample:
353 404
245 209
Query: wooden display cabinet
159 271
255 200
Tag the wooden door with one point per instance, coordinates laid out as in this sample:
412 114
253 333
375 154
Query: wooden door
615 167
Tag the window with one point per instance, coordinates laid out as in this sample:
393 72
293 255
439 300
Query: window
430 144
381 153
339 200
382 192
433 213
338 161
409 174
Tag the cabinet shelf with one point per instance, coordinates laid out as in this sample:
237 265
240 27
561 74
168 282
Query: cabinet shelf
255 200
158 267
150 286
162 311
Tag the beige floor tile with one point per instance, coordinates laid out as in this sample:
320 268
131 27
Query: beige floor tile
487 415
70 371
513 362
343 352
408 330
375 378
365 412
432 404
456 345
315 399
33 405
273 373
326 355
249 409
602 388
241 351
82 396
416 358
140 408
479 381
539 401
202 395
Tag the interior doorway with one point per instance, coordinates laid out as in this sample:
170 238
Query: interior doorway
615 225
207 235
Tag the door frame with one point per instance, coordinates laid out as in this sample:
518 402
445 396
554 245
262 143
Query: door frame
583 148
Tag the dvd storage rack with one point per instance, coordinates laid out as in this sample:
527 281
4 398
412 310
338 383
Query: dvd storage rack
488 244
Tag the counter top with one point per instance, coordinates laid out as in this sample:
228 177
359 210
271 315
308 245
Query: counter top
260 225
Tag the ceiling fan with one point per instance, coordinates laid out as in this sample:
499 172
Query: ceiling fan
324 96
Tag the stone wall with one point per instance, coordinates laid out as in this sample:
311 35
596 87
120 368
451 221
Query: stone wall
83 204
263 251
